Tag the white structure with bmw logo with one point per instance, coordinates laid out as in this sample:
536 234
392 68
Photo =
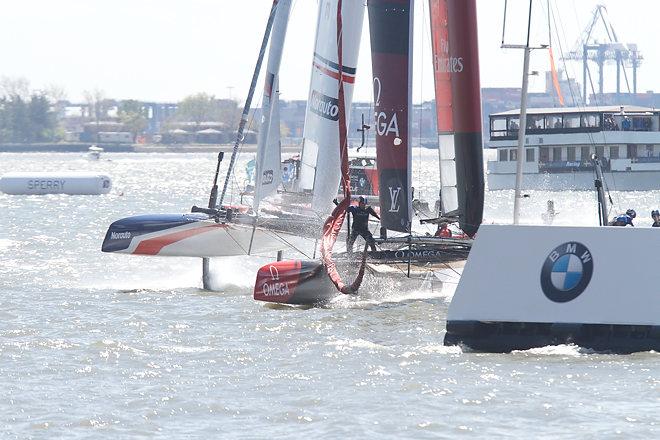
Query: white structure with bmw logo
558 285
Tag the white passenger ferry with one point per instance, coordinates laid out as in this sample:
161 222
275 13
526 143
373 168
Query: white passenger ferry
559 143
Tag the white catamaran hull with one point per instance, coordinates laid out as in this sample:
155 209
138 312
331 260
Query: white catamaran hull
191 235
578 180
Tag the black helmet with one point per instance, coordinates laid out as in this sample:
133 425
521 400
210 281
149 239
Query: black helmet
655 212
631 213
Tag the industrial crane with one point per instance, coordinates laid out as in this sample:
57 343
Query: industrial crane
588 49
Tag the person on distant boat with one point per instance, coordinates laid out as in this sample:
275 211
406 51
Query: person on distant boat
549 215
624 219
626 124
443 230
360 225
655 215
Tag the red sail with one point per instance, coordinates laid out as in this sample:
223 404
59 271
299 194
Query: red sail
458 102
390 26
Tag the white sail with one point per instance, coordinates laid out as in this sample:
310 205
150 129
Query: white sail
448 184
320 156
268 175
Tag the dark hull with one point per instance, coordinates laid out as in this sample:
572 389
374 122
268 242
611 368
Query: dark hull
503 337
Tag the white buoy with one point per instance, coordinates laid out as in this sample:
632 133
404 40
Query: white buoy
74 183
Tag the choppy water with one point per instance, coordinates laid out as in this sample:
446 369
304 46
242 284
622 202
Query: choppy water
110 346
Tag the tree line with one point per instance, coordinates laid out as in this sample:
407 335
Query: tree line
28 115
27 120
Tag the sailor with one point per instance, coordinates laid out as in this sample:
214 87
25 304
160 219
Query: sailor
443 230
655 215
360 224
624 219
549 215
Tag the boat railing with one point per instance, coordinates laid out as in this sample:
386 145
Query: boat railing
646 159
565 166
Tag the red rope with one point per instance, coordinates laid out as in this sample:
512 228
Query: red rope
334 223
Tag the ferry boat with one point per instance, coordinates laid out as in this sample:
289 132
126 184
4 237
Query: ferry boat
559 143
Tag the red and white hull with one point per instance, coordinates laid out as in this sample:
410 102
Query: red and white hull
192 235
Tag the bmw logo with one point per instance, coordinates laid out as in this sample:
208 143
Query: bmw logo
566 272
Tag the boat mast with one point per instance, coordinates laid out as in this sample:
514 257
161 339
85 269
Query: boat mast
522 122
244 116
600 194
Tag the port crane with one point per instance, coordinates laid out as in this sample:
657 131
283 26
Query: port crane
587 48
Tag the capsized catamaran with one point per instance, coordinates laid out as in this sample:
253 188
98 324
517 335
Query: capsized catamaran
224 230
391 26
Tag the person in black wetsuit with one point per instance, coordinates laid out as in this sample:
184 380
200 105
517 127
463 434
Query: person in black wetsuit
360 224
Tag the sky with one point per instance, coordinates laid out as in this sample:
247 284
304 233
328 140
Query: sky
164 50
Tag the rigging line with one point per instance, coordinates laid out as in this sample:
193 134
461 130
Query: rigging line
248 103
286 242
557 18
240 151
236 241
504 21
583 100
452 269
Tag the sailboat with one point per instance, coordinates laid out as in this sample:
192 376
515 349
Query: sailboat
457 90
458 112
225 230
529 286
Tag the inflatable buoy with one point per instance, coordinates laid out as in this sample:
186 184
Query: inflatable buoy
74 183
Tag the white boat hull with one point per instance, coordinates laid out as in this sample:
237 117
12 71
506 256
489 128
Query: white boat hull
190 235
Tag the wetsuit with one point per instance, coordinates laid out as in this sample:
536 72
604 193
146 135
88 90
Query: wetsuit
360 226
656 224
622 220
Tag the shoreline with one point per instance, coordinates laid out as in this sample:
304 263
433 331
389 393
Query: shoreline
83 147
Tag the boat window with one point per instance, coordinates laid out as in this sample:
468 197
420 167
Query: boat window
589 120
529 154
614 152
570 154
514 124
553 121
631 151
535 122
513 154
556 154
498 127
600 151
572 121
643 123
585 154
544 154
503 155
649 150
609 123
